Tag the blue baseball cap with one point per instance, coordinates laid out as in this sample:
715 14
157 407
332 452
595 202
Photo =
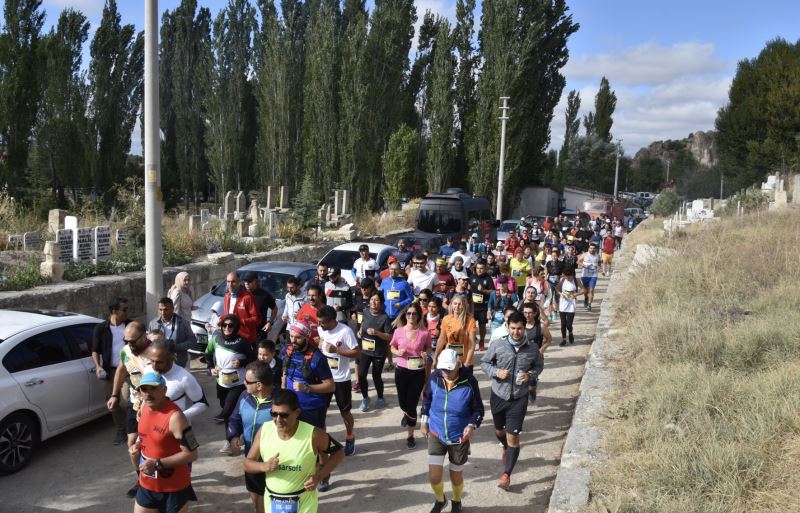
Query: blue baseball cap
152 379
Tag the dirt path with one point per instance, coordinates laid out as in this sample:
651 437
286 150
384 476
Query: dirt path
82 471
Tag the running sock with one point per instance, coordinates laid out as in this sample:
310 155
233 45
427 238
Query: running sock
512 454
348 437
457 489
502 439
438 490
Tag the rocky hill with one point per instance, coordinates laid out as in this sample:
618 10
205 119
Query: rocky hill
701 145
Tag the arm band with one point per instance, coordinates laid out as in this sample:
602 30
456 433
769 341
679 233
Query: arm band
333 446
188 439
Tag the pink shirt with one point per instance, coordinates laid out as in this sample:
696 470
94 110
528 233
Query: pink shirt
412 348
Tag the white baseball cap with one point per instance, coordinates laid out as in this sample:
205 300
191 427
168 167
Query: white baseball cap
448 360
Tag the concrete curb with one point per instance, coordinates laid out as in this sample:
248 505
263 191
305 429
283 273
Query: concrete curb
582 452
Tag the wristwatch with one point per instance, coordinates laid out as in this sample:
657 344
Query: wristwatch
159 465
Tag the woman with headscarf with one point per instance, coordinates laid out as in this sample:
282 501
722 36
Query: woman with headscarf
227 355
181 296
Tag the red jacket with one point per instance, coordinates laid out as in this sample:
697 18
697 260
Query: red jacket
245 309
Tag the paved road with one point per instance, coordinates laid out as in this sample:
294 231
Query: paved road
81 471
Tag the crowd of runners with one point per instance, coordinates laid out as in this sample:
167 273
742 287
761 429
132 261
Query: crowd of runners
431 319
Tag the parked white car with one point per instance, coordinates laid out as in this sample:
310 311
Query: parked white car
47 380
344 256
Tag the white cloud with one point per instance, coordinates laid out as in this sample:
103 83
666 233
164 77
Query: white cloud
91 8
648 63
662 93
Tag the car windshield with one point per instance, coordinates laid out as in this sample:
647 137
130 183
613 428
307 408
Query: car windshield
342 259
274 283
507 227
438 221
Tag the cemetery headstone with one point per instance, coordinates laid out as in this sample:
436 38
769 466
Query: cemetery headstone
83 248
65 238
271 197
284 198
194 223
31 241
55 219
273 225
241 204
102 243
16 242
229 205
121 238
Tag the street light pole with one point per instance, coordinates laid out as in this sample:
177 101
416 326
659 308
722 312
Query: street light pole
503 118
616 172
154 284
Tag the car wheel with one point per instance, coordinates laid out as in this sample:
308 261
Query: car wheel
19 437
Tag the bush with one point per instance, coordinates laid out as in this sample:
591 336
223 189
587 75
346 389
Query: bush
22 277
750 200
665 204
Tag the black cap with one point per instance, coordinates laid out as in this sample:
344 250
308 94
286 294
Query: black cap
250 276
367 283
363 247
334 271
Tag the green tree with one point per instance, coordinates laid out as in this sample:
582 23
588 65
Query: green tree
229 99
465 101
441 98
757 131
59 158
116 83
398 164
21 71
170 180
190 60
523 44
573 125
604 104
665 204
320 93
591 164
352 93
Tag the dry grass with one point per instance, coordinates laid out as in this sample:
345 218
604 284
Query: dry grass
709 407
381 224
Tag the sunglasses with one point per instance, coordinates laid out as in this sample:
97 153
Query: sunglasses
281 414
248 382
228 325
412 313
131 341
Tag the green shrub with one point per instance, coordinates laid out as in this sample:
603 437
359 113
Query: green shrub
665 204
22 277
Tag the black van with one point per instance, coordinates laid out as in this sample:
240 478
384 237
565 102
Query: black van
456 213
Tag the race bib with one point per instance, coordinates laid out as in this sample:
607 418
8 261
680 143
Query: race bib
368 344
414 362
477 298
516 272
360 317
135 377
333 363
458 348
393 294
284 504
228 378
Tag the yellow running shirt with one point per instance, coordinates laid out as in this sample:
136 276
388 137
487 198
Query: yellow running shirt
297 461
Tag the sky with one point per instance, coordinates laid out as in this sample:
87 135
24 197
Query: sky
669 63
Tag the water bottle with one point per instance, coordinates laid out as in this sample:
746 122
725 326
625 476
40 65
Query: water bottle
103 374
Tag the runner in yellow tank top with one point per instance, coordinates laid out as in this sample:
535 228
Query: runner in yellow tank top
286 450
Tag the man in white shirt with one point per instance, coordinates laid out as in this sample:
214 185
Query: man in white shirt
466 256
420 277
182 387
364 266
293 301
339 344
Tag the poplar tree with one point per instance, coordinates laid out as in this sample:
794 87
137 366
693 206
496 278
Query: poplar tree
605 102
352 93
572 124
20 86
465 101
441 99
116 75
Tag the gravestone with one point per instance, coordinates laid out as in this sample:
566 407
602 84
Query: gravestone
273 225
83 247
194 223
345 203
31 241
241 228
698 206
16 242
337 202
55 219
102 243
71 223
221 213
121 238
205 214
796 190
284 198
241 204
52 267
254 211
252 230
64 239
271 197
229 205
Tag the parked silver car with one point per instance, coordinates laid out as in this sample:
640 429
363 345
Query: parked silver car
271 275
47 380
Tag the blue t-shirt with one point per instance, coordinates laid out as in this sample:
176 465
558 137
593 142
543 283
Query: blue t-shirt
315 369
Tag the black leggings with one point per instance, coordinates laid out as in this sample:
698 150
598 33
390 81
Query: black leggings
566 324
377 368
228 397
409 387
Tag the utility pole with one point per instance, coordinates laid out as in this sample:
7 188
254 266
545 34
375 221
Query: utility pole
616 172
721 182
503 118
668 172
154 283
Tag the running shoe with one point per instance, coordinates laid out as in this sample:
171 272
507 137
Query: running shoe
438 506
356 387
350 446
455 507
411 443
364 404
226 448
324 485
133 490
120 438
571 338
589 307
563 343
404 421
505 481
381 403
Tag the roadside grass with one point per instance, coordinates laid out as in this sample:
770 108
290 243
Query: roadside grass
707 414
380 224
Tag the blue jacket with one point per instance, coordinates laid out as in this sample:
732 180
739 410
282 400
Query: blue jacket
247 418
405 295
449 412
